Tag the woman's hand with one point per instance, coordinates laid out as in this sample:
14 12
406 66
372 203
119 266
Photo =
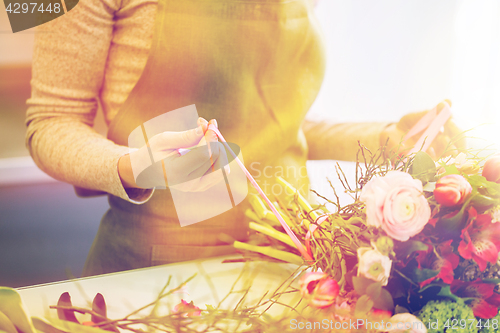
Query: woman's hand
450 141
174 167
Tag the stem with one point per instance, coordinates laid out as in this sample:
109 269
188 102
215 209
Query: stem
251 215
271 217
79 310
271 232
406 278
257 205
303 203
270 252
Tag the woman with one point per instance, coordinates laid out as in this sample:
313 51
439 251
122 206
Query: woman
254 66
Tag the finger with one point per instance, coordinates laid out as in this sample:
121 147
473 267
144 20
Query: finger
175 140
440 143
441 105
200 184
210 137
447 101
220 161
213 122
191 165
392 137
409 120
203 123
210 179
217 159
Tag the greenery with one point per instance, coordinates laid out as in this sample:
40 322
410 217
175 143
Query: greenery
443 313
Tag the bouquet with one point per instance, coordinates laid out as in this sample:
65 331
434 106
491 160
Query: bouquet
419 244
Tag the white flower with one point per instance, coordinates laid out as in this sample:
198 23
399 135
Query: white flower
404 323
458 160
374 265
464 165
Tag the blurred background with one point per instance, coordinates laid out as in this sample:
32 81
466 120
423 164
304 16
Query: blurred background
45 230
385 58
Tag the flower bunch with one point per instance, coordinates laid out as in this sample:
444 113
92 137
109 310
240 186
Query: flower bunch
417 231
442 226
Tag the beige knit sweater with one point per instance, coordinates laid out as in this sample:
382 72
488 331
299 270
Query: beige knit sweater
96 53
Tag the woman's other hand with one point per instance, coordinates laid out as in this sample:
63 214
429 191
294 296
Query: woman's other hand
450 140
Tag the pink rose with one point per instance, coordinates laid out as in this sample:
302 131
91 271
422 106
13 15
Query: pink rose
491 169
318 289
396 204
451 190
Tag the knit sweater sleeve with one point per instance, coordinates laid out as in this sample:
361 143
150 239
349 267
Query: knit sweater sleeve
69 64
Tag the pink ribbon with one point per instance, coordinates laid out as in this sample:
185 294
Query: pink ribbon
285 226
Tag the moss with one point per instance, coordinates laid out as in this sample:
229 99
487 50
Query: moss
436 314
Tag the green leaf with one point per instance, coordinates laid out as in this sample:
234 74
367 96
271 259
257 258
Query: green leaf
42 325
54 325
384 301
6 325
480 181
423 167
483 201
12 306
421 274
404 249
363 306
433 284
450 170
374 290
360 284
445 292
400 309
455 223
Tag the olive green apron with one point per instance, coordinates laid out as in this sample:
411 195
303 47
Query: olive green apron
254 66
